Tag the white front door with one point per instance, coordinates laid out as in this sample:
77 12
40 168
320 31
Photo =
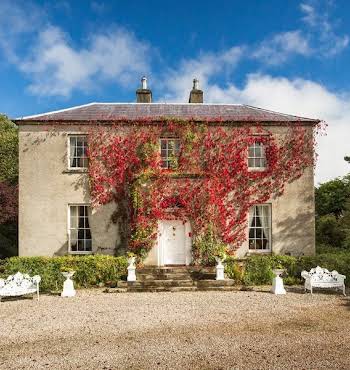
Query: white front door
175 243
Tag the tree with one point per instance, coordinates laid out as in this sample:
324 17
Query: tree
8 151
333 212
329 231
8 187
331 196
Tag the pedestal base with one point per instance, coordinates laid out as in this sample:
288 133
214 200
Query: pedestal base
68 289
131 274
220 272
277 286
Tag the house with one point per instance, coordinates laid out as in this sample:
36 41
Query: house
55 212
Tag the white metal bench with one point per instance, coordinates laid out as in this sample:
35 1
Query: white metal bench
322 278
19 284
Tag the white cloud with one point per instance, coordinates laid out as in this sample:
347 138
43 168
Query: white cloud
177 82
281 46
17 22
310 17
322 28
57 68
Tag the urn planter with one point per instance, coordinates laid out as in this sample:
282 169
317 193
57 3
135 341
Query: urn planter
131 269
220 269
68 285
277 282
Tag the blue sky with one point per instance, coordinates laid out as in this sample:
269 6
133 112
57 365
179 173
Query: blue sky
289 56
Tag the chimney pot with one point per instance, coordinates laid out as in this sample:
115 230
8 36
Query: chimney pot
144 83
143 94
196 95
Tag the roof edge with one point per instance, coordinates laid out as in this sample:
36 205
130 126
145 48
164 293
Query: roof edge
150 121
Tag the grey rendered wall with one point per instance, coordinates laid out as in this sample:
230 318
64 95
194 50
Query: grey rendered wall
46 189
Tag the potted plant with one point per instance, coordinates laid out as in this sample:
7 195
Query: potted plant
132 267
131 258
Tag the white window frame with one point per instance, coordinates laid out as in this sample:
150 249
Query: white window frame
69 228
70 136
167 158
257 158
267 250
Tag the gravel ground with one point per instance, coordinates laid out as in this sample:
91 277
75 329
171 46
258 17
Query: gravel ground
189 330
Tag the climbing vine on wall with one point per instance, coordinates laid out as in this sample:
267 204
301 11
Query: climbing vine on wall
210 185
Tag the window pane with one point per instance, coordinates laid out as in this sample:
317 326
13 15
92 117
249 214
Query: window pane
80 233
81 245
251 244
259 227
74 235
73 246
88 245
85 162
169 149
81 141
258 233
256 156
77 152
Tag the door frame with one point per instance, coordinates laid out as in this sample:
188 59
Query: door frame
187 243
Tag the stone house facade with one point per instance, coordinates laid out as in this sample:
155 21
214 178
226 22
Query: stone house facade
55 216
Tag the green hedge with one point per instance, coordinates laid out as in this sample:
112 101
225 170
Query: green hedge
99 269
257 270
90 270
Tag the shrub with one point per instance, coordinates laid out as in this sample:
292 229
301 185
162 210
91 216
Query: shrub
258 270
90 270
208 246
234 270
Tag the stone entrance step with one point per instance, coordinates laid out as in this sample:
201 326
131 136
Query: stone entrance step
161 289
174 279
154 283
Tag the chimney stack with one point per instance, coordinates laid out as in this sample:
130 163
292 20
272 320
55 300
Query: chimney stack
144 95
196 95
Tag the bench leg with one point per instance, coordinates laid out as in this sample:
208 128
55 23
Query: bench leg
344 290
311 289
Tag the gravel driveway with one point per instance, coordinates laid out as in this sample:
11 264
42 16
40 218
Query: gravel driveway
189 330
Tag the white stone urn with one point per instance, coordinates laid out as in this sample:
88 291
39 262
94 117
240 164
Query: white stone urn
68 285
131 269
220 268
277 282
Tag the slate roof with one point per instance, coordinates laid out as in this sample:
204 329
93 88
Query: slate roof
109 112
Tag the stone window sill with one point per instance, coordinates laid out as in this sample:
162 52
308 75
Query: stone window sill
262 251
76 170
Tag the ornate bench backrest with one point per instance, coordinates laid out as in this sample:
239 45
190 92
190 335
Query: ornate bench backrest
20 281
320 274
